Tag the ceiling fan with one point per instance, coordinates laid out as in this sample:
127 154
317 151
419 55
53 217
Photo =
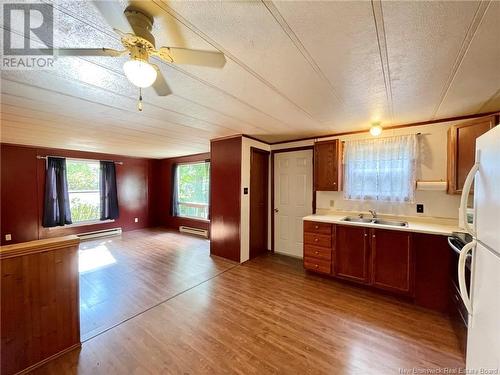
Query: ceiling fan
134 28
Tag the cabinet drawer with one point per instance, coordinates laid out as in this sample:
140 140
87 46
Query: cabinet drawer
314 227
318 239
318 252
317 265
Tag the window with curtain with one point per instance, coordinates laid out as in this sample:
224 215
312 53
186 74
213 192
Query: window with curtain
191 185
381 169
83 188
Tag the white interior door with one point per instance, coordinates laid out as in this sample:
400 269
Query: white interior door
293 174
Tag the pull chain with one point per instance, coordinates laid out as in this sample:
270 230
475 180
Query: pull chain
139 104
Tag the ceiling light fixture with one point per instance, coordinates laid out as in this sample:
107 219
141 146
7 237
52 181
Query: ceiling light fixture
141 73
375 129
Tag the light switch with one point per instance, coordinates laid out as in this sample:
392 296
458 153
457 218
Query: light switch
136 219
8 237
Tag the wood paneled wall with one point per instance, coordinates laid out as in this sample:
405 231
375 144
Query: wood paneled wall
23 184
225 198
40 315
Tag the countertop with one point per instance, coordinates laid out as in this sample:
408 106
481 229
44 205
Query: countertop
427 225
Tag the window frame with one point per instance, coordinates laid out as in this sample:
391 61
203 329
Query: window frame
373 147
91 221
174 182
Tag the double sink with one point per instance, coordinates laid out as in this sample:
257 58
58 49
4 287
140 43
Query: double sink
355 219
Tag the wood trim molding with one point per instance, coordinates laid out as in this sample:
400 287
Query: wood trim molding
38 246
420 123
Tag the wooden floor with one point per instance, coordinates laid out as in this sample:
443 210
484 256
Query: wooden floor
123 276
265 316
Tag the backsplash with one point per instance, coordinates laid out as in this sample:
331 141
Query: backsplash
436 204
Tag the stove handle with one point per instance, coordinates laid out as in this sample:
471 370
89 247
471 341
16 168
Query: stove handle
456 249
461 275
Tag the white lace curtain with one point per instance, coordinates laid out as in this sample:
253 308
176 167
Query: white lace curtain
382 169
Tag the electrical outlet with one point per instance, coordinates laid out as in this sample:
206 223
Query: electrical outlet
136 220
332 202
8 237
420 208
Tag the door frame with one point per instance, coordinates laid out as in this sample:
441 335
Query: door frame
266 153
273 153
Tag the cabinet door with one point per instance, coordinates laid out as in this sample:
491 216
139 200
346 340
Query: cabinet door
392 261
327 165
352 253
462 150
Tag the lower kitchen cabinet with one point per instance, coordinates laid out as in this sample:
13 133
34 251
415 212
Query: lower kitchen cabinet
392 261
352 254
379 258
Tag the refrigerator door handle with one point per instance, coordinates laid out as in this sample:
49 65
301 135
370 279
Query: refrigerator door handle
465 195
461 275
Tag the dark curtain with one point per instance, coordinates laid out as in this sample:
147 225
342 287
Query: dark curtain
174 205
56 206
109 194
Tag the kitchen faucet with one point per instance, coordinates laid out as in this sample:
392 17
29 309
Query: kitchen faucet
374 214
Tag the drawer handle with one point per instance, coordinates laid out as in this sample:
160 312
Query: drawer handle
316 239
316 227
316 252
316 266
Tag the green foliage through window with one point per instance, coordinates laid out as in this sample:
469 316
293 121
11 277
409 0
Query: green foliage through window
193 189
83 186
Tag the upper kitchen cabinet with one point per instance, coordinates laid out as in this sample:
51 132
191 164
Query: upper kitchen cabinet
328 165
462 148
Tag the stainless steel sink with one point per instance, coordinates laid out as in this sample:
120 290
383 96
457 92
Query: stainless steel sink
389 222
355 219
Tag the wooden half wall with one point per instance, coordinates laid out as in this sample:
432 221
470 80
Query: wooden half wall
40 315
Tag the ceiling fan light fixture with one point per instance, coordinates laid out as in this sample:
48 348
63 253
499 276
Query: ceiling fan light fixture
141 73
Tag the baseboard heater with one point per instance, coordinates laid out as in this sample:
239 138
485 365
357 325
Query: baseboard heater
100 233
195 231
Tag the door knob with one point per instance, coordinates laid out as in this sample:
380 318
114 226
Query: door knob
276 210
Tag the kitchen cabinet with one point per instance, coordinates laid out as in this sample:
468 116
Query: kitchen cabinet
318 241
416 266
328 165
352 253
392 261
462 149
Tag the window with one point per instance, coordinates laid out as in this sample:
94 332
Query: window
381 169
83 188
191 190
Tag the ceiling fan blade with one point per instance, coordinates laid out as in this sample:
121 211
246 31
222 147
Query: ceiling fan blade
112 12
88 52
160 85
194 57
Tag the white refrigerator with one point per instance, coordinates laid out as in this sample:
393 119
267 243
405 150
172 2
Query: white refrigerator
483 342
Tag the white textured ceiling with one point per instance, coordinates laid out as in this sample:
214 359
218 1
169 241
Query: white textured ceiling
293 69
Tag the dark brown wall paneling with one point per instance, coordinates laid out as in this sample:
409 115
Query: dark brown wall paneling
225 197
23 183
163 200
19 202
